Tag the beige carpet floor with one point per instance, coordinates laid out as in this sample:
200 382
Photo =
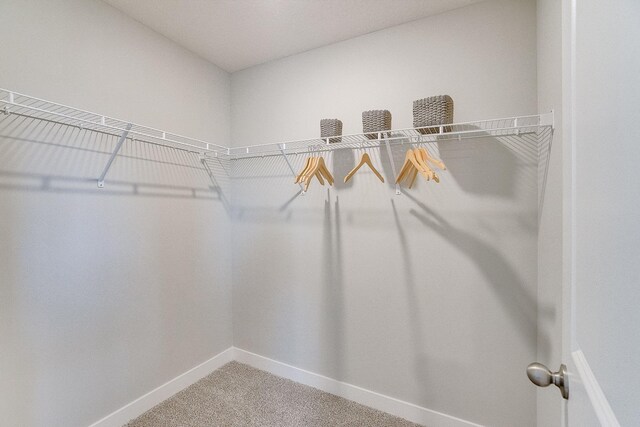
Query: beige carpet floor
239 395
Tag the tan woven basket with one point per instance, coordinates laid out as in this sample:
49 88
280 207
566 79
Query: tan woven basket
433 111
375 121
329 128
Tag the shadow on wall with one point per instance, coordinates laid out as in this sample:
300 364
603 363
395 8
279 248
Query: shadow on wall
59 261
521 304
333 331
473 162
41 155
253 181
421 365
343 162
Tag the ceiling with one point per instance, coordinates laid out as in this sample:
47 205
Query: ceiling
237 34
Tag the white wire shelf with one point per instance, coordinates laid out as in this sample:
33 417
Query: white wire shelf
14 103
17 103
29 106
503 127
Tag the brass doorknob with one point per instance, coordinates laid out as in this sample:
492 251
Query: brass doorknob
542 376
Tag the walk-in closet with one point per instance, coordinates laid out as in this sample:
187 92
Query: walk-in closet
283 213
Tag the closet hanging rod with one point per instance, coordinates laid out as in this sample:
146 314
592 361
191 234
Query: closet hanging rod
37 108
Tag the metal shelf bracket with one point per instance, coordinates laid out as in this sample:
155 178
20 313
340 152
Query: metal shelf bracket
547 119
210 174
283 147
123 137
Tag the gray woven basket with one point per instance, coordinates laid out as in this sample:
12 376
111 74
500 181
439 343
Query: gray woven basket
329 128
433 111
375 121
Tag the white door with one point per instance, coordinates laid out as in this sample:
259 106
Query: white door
601 99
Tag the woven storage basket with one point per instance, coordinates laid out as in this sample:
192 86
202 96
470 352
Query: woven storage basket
433 111
375 121
329 128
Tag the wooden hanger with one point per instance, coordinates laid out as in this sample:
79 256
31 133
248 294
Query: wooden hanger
308 166
414 173
325 171
317 168
313 171
406 168
427 156
412 177
322 171
410 162
422 156
417 162
365 160
310 172
424 166
304 169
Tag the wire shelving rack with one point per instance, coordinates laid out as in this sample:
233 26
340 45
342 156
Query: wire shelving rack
28 106
510 126
536 128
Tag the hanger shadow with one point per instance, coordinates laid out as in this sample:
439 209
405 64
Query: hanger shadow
333 332
521 304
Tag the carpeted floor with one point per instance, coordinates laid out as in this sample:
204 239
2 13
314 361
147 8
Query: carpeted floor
239 395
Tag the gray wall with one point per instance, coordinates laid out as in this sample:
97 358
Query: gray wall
550 228
403 295
105 294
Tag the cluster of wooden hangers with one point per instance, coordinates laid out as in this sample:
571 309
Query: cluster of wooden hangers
314 166
416 161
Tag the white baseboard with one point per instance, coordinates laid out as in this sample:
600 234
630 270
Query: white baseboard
399 408
598 400
165 391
